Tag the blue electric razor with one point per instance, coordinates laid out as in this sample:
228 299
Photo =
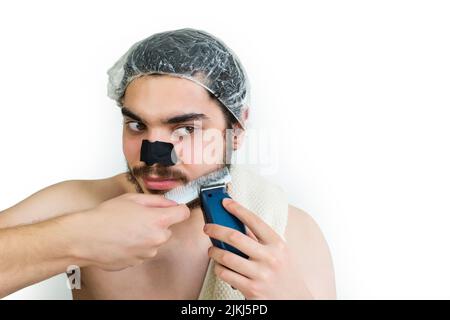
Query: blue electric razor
211 197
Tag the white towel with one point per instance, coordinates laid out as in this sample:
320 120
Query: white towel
260 196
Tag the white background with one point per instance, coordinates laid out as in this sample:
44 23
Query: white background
361 87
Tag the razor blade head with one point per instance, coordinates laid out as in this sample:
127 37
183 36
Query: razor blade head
189 192
213 186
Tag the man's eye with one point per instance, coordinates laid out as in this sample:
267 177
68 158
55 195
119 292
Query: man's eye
135 126
183 131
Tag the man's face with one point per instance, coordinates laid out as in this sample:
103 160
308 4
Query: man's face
179 111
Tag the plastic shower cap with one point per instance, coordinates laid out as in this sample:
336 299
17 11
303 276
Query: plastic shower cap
188 53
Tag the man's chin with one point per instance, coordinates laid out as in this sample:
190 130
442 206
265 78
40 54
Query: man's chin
151 191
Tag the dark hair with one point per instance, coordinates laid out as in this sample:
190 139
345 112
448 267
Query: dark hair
229 118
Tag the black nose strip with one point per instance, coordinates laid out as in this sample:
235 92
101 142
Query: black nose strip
158 152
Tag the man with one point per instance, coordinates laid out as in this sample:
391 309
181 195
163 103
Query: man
130 241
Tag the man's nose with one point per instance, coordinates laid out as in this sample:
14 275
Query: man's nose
158 134
159 152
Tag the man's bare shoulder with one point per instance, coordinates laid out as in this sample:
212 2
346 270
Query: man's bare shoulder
300 220
62 198
310 249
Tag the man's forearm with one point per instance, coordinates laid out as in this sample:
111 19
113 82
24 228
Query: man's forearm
35 252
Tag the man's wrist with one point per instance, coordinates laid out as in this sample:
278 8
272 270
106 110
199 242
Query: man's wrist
71 231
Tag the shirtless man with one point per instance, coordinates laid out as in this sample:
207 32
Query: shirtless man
143 246
132 243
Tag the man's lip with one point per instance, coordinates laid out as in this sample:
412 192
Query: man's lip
150 178
155 183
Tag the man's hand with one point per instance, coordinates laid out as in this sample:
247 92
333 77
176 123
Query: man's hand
119 233
124 231
270 272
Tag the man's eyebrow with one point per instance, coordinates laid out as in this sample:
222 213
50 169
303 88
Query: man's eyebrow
127 113
185 117
171 120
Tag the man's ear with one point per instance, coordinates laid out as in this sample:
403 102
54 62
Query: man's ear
239 132
245 114
238 136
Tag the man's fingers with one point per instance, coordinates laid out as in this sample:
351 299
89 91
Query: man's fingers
151 200
251 234
259 228
174 214
236 239
234 279
169 212
245 267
